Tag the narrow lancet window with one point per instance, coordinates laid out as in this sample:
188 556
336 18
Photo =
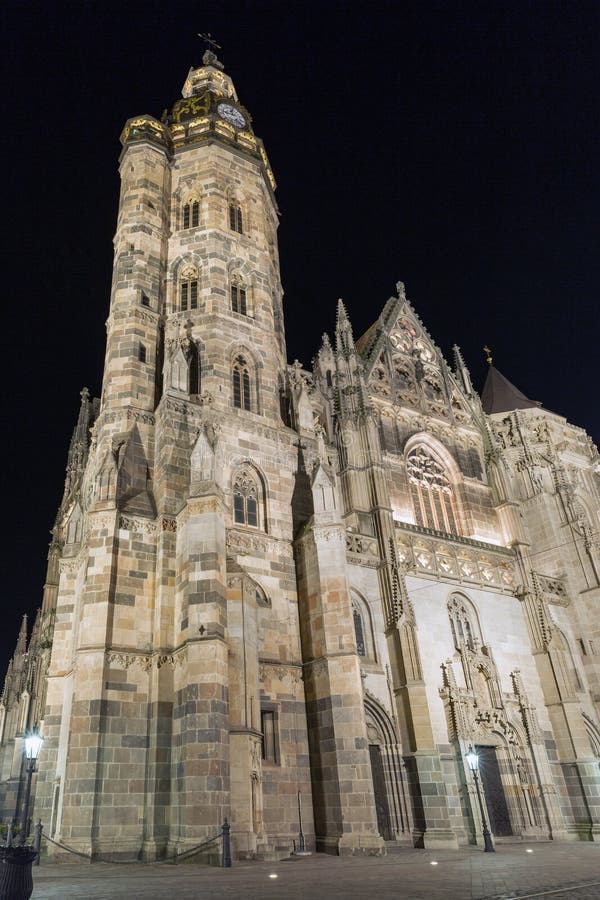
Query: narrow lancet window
241 384
245 499
188 289
235 218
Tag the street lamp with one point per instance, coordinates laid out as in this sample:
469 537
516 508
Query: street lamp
33 745
473 763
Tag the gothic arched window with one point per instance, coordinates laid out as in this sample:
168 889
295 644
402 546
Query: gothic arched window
191 214
462 623
238 296
246 498
363 631
431 491
188 288
235 217
241 384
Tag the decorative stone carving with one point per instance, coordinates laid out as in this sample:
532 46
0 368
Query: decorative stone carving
239 541
290 673
554 589
146 661
457 559
361 545
145 526
334 534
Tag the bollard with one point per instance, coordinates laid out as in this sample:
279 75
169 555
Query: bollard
37 841
226 845
16 882
9 835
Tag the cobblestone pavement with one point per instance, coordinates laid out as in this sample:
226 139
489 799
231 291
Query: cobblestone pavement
547 872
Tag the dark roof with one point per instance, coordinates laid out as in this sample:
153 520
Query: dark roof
499 395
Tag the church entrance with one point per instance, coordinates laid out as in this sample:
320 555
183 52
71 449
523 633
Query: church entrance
493 789
379 789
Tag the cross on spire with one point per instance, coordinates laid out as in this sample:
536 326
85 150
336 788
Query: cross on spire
209 41
209 57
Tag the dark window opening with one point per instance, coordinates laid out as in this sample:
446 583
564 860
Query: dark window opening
142 353
239 509
359 633
189 295
241 385
235 218
191 214
238 299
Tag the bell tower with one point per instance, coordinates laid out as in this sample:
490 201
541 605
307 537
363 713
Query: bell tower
177 591
196 260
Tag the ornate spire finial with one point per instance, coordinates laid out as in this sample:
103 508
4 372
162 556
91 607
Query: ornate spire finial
488 354
209 57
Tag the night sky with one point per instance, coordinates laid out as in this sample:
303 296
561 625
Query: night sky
448 145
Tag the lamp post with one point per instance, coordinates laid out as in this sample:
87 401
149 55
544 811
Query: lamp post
473 763
33 745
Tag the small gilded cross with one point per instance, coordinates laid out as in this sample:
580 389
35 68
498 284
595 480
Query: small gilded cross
488 353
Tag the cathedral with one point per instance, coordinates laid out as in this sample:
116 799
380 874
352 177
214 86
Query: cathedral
272 587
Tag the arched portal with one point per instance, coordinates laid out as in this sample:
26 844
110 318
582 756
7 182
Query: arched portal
389 785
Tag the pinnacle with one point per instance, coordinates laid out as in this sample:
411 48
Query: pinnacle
342 314
458 357
22 639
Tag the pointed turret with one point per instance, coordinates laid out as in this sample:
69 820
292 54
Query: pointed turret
499 395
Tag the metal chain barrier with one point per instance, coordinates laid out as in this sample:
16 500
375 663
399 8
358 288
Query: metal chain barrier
223 833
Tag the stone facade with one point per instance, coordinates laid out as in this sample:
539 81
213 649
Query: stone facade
267 582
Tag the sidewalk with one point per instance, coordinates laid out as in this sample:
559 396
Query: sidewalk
467 874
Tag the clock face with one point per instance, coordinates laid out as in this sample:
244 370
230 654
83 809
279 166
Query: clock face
231 114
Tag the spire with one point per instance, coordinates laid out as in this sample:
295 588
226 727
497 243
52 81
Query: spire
8 678
461 370
351 396
344 339
499 395
78 448
22 639
80 432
